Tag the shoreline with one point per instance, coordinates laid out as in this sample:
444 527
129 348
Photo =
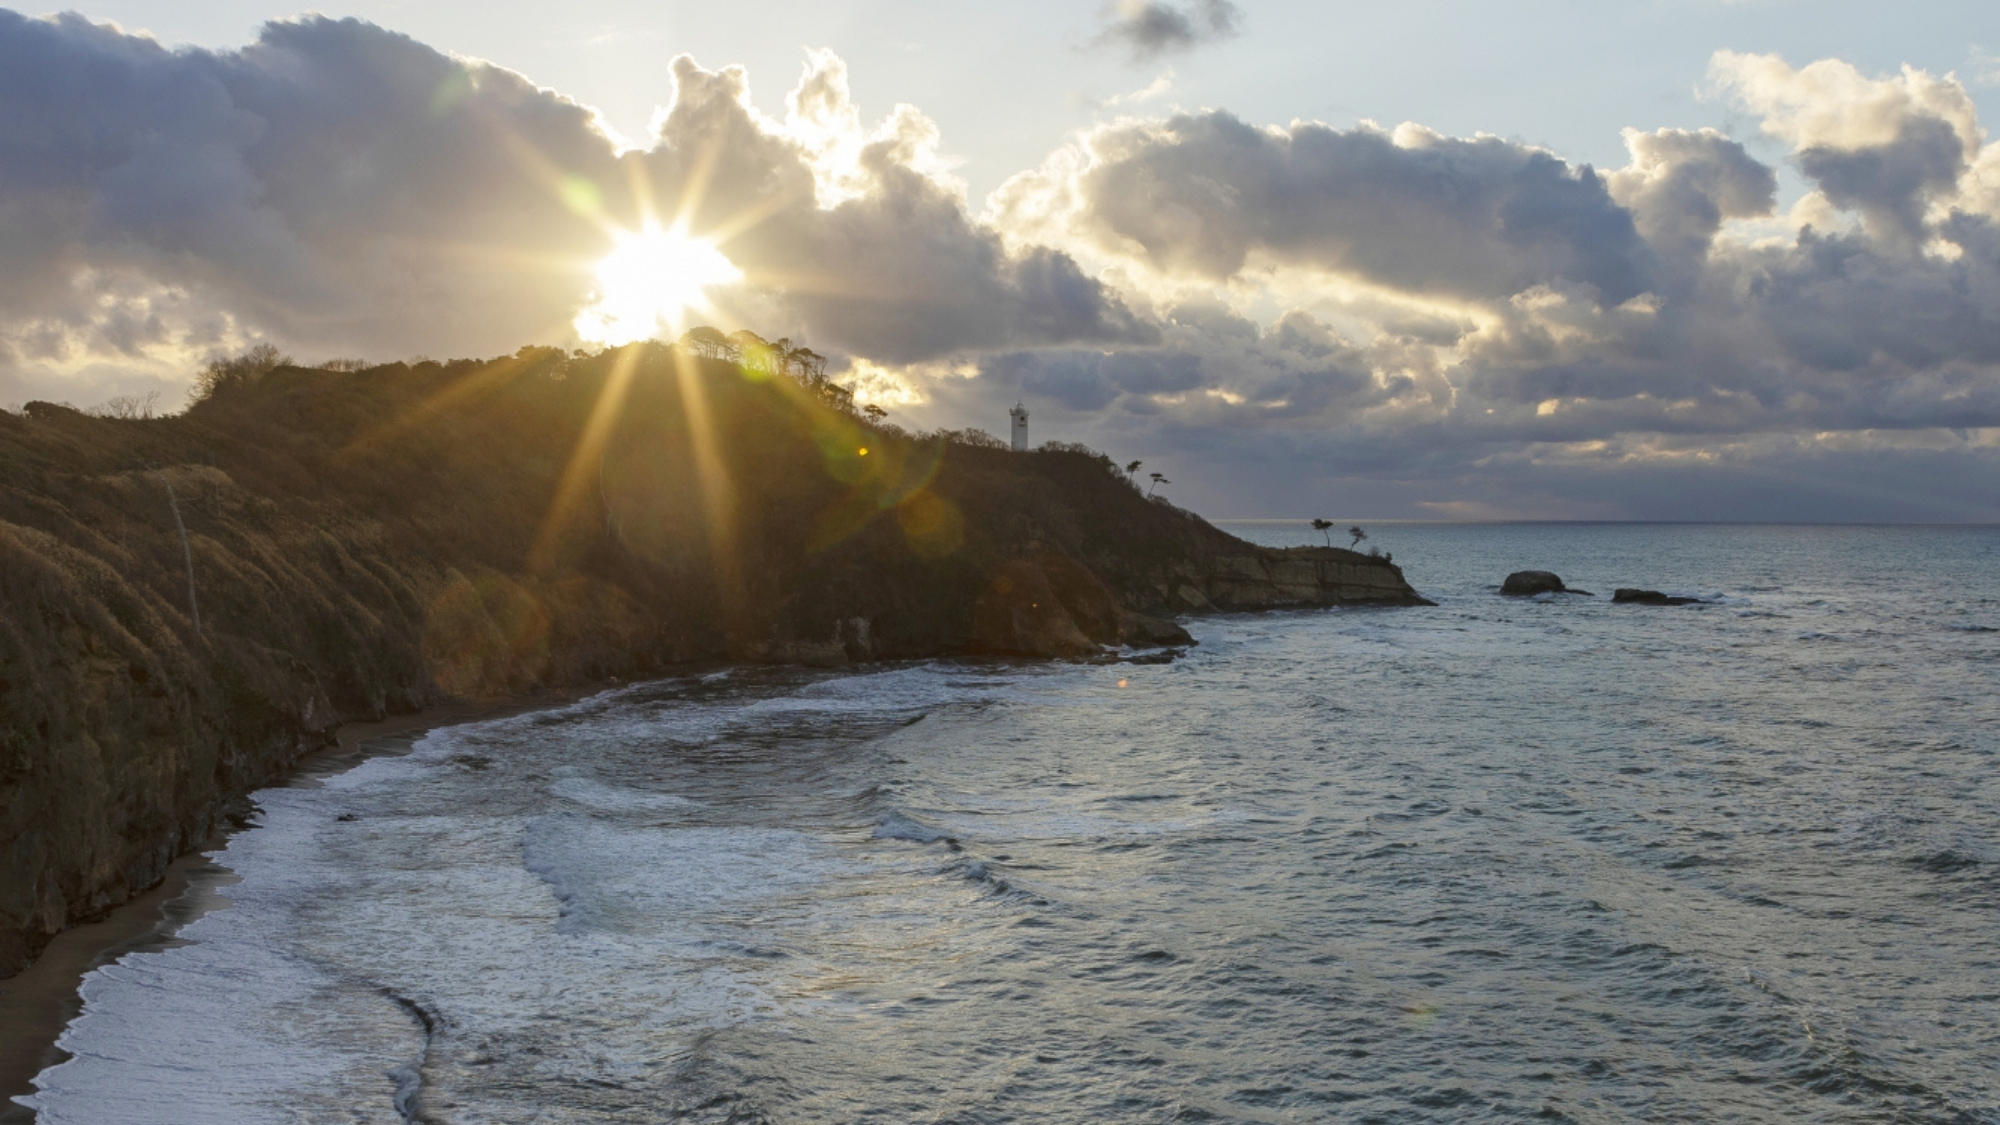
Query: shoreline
38 1002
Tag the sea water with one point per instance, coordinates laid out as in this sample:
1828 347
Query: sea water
1496 860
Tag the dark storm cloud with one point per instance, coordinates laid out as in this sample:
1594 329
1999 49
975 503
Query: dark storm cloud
1681 185
1150 28
1591 302
1891 184
1200 194
1496 314
1210 361
1084 380
332 180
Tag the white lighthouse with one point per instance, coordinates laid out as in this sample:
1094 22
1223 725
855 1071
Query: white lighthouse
1020 416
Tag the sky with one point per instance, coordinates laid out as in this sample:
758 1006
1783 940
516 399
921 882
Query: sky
1679 259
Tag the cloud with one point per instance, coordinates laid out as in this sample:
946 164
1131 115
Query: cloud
1387 312
334 186
867 246
342 189
1681 186
1149 28
1985 66
1491 302
1204 194
1888 148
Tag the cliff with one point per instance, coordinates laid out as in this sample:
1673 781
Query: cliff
189 604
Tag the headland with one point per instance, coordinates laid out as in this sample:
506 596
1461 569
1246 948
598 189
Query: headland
193 604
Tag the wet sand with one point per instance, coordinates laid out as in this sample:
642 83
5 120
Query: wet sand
40 1000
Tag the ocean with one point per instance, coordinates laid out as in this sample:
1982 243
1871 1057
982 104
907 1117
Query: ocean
1497 860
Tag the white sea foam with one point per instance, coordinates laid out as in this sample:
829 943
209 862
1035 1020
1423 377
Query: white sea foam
187 1036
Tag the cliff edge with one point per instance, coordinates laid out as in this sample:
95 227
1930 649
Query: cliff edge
190 604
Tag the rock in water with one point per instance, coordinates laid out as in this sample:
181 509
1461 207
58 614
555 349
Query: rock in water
1528 583
1649 597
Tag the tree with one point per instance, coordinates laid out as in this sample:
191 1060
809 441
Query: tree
1323 526
1131 469
972 436
811 365
753 351
875 413
1358 535
130 407
708 343
1158 480
833 394
225 374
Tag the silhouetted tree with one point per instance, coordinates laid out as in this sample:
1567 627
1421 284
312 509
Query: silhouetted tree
972 436
834 395
224 374
129 407
811 365
708 343
754 352
1358 535
874 412
1158 480
1323 526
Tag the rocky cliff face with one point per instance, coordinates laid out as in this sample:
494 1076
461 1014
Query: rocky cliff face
188 605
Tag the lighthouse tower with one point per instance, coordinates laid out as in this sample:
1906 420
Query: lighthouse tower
1020 416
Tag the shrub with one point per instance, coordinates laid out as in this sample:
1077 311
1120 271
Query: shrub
972 436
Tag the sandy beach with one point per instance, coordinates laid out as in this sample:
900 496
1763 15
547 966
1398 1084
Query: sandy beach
38 1002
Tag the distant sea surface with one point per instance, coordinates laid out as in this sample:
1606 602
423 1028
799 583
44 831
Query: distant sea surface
1494 861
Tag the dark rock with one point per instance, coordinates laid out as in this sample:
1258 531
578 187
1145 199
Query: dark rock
1163 656
1649 597
1528 583
1049 605
1237 577
1140 629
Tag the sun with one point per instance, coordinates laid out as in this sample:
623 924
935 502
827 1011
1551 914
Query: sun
651 279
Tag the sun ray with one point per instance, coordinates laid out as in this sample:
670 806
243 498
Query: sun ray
750 216
583 463
694 187
640 179
718 491
483 380
558 181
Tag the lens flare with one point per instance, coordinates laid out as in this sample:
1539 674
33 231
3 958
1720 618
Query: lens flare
652 280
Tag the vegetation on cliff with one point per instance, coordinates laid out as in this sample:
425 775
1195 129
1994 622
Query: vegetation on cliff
189 603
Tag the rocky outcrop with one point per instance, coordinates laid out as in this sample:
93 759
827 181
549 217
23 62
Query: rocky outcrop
1531 583
1050 605
189 604
1634 596
1288 578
